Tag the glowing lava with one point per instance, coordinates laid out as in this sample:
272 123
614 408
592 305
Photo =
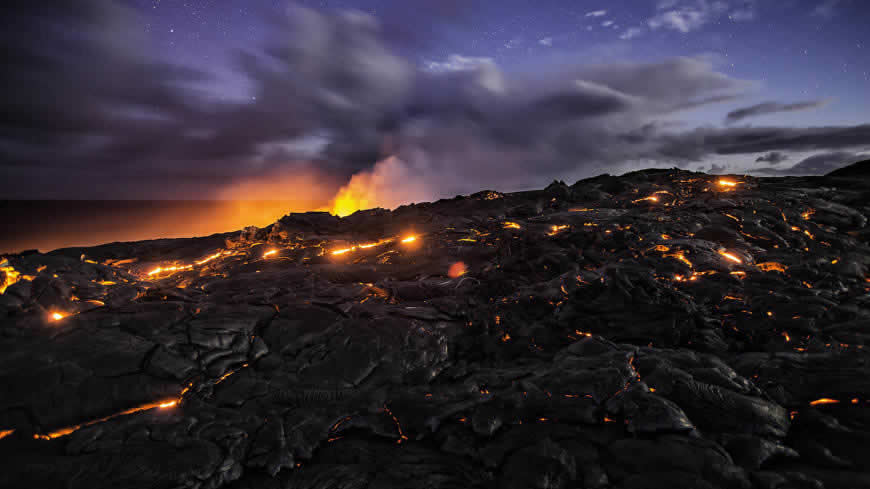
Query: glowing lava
456 270
409 239
72 429
556 229
824 400
728 184
57 316
10 275
269 253
730 256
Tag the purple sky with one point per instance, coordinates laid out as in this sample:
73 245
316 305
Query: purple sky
184 99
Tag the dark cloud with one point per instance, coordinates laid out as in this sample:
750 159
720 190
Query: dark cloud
771 108
819 164
88 114
773 158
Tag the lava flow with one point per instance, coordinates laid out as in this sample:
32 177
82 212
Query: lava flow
489 332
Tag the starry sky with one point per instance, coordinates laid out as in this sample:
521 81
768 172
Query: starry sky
201 98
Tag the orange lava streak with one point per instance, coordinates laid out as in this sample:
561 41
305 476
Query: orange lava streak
651 198
57 316
730 256
409 239
72 429
512 225
727 183
269 253
824 400
5 433
771 266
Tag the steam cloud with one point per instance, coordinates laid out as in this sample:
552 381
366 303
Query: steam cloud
126 124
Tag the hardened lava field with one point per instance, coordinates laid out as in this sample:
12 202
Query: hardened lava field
661 329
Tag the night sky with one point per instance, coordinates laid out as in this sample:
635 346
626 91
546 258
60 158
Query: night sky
261 98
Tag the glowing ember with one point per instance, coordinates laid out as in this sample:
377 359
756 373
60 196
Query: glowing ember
556 229
269 253
343 250
168 404
512 225
771 266
409 239
727 183
57 316
651 198
824 400
679 255
456 270
730 256
5 433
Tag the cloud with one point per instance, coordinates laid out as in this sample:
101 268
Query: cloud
773 158
819 164
631 33
826 9
607 23
690 15
694 145
89 113
547 41
513 43
596 13
765 108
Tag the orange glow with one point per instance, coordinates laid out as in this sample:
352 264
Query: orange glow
556 229
389 183
786 336
159 270
72 429
679 255
730 256
456 270
269 253
409 239
343 250
771 266
651 198
727 183
824 400
5 433
512 225
208 258
662 248
10 275
57 316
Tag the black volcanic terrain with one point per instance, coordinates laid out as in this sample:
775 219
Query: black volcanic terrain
662 329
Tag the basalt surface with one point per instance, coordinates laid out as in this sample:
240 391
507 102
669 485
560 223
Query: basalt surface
660 329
